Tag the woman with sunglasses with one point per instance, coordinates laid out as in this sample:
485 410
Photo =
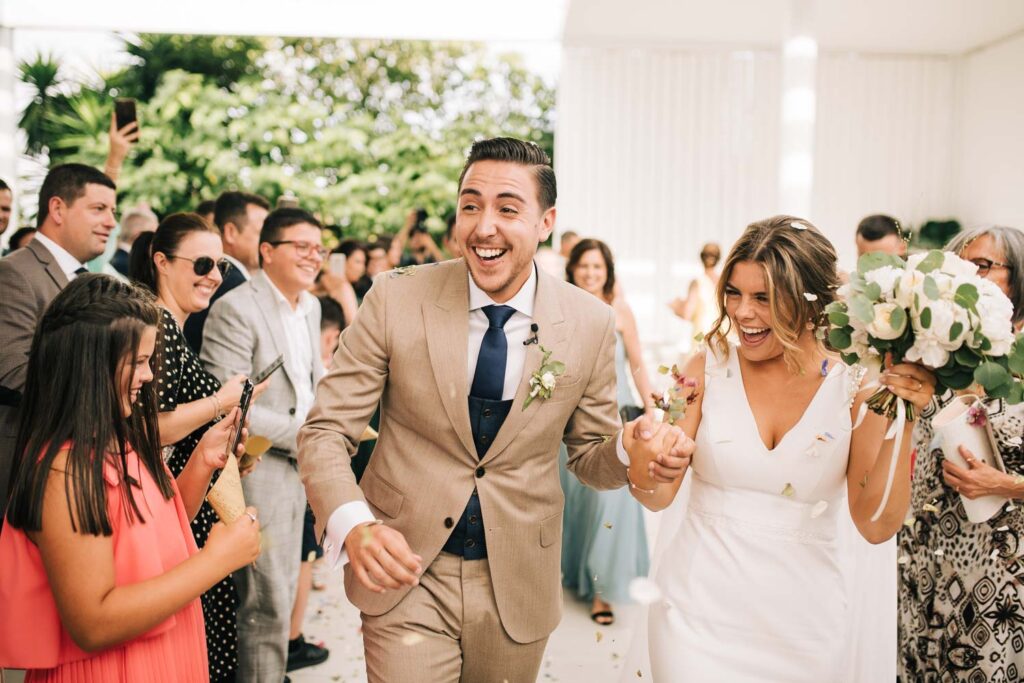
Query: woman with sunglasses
961 601
183 264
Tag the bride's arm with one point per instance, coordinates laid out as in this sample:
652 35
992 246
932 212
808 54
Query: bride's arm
662 495
871 456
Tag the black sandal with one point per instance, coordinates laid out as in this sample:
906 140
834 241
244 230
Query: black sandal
603 614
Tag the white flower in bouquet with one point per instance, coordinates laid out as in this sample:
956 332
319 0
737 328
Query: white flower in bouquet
889 322
886 278
995 312
958 267
911 281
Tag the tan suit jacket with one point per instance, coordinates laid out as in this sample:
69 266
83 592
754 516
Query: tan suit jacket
30 278
407 348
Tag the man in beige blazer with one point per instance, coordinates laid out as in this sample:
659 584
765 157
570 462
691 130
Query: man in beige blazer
453 536
76 217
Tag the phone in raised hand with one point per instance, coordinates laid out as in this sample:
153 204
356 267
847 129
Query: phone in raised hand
124 112
243 404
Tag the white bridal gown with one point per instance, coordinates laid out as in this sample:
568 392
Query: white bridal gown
751 578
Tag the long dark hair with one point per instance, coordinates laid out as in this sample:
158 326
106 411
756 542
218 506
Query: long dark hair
165 240
73 401
581 248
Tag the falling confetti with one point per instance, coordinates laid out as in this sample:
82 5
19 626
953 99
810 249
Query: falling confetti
819 508
994 554
810 297
788 491
903 559
928 507
699 337
644 591
639 673
909 522
598 636
798 226
1003 528
940 553
411 639
824 367
607 525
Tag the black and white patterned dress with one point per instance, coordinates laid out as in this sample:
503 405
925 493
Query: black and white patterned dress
961 601
181 379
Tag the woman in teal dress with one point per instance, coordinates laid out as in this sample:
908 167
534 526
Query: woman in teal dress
604 544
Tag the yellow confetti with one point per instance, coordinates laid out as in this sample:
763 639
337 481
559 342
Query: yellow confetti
788 491
909 522
598 636
607 525
928 507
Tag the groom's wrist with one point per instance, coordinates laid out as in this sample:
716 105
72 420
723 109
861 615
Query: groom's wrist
339 525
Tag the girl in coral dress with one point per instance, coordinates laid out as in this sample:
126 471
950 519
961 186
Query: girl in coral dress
99 575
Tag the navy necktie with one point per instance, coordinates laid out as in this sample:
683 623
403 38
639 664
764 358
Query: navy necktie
489 378
81 271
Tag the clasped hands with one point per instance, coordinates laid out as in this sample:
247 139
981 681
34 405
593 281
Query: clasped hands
659 453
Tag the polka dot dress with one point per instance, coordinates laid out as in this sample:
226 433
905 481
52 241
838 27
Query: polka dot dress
181 379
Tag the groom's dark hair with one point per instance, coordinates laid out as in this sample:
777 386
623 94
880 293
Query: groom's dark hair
517 152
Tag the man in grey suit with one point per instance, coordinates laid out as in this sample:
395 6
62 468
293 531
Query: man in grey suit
76 217
272 315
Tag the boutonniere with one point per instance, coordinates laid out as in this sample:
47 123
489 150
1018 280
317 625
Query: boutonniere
543 381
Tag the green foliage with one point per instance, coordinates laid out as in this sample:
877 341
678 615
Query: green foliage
360 131
935 234
877 259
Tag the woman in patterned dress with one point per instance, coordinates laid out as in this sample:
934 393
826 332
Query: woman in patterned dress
183 264
961 601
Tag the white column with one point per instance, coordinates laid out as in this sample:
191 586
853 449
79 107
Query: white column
8 115
796 137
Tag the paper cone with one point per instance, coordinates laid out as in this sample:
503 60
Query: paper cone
953 430
226 495
369 434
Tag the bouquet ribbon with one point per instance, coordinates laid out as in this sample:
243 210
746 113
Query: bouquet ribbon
895 432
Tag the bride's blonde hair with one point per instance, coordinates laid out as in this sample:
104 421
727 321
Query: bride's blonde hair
797 260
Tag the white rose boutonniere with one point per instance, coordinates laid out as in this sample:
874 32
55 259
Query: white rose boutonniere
544 379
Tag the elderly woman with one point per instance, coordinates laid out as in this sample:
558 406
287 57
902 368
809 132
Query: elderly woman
961 611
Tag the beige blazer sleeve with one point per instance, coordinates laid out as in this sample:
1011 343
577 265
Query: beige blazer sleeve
592 432
19 315
346 399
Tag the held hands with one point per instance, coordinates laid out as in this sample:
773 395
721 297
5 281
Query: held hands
235 545
658 452
381 558
912 382
980 479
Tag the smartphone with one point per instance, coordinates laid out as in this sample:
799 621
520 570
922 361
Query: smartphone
124 112
336 264
268 371
244 404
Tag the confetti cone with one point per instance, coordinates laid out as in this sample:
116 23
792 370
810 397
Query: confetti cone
226 495
369 434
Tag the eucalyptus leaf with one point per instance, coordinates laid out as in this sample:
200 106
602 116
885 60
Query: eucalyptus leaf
839 338
556 367
850 358
932 261
955 330
931 288
898 318
991 375
967 357
926 318
1016 356
839 318
877 259
873 291
861 308
966 296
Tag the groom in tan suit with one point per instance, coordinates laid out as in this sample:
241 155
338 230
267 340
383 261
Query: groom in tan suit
453 536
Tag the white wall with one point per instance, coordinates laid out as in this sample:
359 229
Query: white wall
989 168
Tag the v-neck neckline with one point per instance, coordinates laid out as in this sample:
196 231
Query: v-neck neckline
750 411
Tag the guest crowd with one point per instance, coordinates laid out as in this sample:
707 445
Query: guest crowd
148 362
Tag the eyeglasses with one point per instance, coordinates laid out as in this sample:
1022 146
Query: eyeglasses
985 265
203 265
303 249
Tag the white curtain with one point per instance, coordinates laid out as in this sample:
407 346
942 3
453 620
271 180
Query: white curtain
884 142
658 151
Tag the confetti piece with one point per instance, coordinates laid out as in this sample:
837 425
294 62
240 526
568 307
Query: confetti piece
994 554
598 635
903 559
699 337
639 673
607 525
940 553
810 297
812 451
798 226
788 491
1010 507
909 522
606 438
663 369
644 591
824 368
411 639
819 508
1003 528
928 507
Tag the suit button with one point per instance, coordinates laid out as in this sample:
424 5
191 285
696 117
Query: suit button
291 411
487 412
470 543
448 523
480 472
472 519
485 438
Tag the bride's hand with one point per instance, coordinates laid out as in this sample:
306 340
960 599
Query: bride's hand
912 382
660 452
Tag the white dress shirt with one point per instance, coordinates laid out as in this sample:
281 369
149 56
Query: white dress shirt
65 261
299 354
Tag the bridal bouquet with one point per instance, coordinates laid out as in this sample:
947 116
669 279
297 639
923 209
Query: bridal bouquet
935 310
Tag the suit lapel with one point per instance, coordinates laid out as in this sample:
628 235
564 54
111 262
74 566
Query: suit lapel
446 322
49 262
551 333
266 302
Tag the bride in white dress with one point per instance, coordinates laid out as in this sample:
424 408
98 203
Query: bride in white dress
751 584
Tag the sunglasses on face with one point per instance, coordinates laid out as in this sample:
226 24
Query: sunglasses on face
985 265
203 265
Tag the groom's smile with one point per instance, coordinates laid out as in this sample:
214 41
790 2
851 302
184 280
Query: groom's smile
499 224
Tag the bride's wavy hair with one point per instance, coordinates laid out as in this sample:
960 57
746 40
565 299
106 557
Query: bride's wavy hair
797 259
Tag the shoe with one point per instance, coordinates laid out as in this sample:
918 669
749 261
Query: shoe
305 654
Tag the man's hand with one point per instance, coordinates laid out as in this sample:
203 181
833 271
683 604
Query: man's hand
659 453
381 558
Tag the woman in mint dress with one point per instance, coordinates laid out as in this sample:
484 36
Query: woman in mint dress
604 544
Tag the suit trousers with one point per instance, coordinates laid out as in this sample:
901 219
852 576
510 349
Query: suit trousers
447 630
266 588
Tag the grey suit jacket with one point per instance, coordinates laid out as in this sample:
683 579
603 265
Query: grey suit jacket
29 280
243 334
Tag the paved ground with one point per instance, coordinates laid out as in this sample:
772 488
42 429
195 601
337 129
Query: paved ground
574 653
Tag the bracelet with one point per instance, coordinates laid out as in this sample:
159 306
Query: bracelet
634 486
218 412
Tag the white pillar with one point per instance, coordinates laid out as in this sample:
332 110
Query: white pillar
8 115
796 138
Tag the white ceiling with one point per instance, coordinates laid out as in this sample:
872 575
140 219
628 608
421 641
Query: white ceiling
887 26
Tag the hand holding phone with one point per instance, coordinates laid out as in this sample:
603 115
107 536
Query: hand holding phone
124 112
244 404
